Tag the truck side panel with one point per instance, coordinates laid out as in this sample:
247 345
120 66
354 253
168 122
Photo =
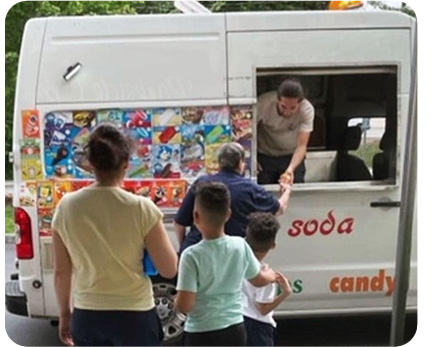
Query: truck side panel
27 83
128 59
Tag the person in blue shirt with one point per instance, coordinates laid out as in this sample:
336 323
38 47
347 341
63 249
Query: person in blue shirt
246 197
211 273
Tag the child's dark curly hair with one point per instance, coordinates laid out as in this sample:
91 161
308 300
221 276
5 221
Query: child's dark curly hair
261 231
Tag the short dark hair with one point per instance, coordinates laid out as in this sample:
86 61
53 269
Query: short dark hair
290 88
108 148
261 231
230 155
214 200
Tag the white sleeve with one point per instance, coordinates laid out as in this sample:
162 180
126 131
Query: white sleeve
266 294
308 114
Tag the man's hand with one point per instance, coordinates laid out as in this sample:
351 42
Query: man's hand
287 177
65 330
284 283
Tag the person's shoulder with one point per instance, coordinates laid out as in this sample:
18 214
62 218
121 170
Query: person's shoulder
193 252
267 97
143 200
306 107
72 197
203 178
132 198
236 241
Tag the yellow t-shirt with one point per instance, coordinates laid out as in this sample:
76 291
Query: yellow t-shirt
104 230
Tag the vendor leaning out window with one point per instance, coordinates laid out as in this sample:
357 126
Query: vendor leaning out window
285 121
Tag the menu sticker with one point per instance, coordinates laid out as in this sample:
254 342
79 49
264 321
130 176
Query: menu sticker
30 124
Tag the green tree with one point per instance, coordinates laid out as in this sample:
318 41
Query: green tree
233 6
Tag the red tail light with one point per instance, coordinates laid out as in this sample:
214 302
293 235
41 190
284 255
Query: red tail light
24 244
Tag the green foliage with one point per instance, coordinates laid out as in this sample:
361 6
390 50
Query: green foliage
9 220
366 153
233 6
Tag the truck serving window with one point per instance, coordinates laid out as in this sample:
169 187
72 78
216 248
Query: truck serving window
354 135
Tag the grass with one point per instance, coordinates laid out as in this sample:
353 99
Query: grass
368 153
9 220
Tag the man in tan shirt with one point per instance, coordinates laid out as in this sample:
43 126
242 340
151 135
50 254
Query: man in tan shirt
285 121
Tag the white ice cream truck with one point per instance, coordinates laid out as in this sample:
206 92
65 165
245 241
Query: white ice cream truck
181 85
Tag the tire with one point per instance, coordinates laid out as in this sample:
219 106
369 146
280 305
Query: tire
172 321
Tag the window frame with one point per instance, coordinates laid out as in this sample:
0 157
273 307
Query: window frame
391 184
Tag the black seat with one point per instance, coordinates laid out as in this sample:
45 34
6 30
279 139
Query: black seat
381 161
350 167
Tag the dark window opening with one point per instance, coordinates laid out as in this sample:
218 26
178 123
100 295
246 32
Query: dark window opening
355 124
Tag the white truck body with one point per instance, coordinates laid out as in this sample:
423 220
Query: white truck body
338 251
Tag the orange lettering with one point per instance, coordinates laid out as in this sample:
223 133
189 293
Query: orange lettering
334 284
347 284
390 285
362 284
377 282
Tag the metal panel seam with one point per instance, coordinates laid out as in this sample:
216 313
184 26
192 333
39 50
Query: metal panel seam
40 61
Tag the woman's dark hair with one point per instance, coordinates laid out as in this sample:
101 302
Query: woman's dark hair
108 148
291 88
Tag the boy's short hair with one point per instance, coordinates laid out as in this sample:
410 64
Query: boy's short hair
261 231
214 200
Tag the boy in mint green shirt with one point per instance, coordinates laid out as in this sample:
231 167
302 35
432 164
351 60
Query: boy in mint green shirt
211 274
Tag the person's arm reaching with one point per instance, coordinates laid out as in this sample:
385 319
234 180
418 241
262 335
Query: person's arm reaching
264 277
284 198
161 250
265 308
297 157
62 285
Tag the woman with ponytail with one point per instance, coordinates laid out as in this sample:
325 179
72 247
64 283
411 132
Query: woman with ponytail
100 233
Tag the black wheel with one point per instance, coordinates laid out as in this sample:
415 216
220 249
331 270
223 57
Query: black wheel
171 320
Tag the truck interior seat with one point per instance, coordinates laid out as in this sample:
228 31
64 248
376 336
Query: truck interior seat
318 135
349 167
381 161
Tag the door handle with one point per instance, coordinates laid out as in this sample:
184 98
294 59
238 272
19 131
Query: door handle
375 204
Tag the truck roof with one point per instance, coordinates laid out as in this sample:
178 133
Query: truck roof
316 20
276 20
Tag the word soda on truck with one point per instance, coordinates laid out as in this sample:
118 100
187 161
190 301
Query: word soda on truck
182 85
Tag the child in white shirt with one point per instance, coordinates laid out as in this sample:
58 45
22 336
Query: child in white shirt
259 302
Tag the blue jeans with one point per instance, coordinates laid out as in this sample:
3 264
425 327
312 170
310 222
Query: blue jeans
116 328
